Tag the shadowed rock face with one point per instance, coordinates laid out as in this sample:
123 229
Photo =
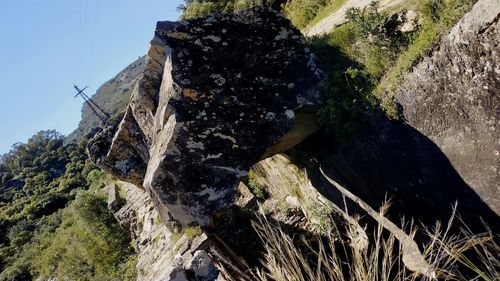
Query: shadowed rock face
218 94
446 152
452 97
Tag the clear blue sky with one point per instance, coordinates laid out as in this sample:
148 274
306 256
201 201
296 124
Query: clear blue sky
46 46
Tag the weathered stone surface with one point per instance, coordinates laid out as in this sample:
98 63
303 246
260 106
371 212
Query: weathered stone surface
453 98
112 96
218 94
402 22
130 157
445 152
159 256
113 204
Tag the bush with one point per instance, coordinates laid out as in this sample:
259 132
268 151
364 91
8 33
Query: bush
45 205
88 245
192 231
16 272
438 16
20 233
95 176
257 189
199 8
302 12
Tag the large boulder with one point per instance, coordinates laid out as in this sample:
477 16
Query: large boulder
453 98
218 94
446 152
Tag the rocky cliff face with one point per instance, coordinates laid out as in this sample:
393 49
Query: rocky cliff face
162 254
446 150
112 96
453 98
218 94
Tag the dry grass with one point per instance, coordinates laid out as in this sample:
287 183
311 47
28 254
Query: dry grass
465 256
449 251
462 256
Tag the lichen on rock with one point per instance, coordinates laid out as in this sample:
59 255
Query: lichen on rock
218 94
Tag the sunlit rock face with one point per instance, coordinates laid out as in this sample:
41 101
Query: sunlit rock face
218 94
160 256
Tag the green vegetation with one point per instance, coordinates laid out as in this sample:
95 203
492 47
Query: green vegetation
51 209
321 218
198 8
257 189
308 12
438 16
329 9
87 245
300 12
156 240
364 60
175 236
190 232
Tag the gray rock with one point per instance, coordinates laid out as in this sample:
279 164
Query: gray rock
445 152
452 97
218 93
159 256
112 96
405 21
113 204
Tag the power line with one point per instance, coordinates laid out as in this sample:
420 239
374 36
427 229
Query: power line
101 113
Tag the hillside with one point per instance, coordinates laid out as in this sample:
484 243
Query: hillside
112 96
234 137
276 141
51 207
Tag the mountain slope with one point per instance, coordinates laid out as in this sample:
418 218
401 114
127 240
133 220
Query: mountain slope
112 96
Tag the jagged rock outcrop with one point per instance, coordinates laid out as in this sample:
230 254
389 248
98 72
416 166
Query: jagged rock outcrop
445 152
112 96
218 94
162 254
453 98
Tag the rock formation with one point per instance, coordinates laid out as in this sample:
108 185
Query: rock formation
161 256
446 150
453 98
218 94
112 96
222 92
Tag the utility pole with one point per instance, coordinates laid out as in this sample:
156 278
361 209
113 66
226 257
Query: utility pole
101 113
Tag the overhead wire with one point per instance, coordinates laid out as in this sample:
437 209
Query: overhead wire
82 44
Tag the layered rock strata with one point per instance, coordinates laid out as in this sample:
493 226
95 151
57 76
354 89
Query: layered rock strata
162 254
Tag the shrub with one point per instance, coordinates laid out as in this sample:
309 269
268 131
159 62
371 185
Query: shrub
95 176
20 233
16 272
302 12
192 231
88 245
257 189
199 8
438 16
